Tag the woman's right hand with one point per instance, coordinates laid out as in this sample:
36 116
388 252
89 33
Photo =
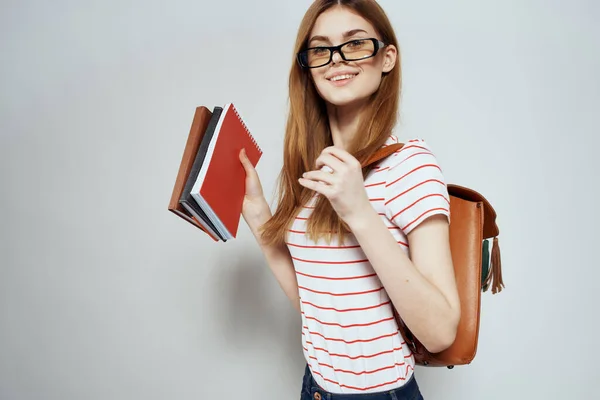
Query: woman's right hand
255 209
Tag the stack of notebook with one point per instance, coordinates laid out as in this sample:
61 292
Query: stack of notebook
210 185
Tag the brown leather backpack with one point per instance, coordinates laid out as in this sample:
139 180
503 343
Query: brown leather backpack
473 225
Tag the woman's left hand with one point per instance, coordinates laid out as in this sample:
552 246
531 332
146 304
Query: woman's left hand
339 178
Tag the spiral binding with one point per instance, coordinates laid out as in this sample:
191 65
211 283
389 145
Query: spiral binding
246 128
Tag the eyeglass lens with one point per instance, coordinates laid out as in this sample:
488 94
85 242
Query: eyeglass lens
354 50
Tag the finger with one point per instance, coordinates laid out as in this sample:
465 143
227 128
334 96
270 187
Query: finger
341 154
319 176
329 160
316 186
246 162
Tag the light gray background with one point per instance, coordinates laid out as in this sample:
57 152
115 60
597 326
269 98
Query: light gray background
104 294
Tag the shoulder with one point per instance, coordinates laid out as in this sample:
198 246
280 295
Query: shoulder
414 153
415 187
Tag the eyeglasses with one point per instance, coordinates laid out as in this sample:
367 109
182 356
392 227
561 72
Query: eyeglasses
354 50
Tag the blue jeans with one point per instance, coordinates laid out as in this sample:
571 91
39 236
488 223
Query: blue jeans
312 391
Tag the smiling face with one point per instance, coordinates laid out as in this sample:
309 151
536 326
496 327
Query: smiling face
342 83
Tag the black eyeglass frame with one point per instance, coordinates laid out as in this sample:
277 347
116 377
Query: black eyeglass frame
302 56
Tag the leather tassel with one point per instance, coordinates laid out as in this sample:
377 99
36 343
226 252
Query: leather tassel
496 268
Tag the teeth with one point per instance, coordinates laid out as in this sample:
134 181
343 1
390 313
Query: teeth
340 77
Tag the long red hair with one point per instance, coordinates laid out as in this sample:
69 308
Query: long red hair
307 129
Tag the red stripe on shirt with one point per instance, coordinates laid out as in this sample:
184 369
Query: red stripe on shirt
375 184
301 232
418 200
330 262
414 187
350 357
426 212
414 155
351 341
412 146
412 171
341 294
322 247
344 278
326 379
358 373
378 170
349 326
346 309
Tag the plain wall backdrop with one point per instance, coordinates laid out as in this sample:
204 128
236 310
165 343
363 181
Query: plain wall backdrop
104 294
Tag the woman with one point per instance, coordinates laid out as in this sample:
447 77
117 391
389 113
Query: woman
338 243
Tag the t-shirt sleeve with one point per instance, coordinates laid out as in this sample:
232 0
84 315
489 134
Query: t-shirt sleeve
415 187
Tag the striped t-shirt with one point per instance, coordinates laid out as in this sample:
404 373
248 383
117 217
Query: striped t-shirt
349 334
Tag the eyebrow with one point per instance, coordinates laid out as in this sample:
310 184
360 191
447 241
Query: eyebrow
346 35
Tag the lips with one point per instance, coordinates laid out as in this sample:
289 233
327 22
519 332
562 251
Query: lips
342 77
341 74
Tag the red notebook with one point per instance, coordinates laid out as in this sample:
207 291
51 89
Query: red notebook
220 186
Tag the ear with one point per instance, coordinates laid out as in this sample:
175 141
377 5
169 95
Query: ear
390 58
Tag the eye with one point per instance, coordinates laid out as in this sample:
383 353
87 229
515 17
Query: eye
319 51
356 44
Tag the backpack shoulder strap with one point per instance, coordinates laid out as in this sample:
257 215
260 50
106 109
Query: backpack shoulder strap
382 153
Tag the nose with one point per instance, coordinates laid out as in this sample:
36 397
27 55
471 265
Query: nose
336 58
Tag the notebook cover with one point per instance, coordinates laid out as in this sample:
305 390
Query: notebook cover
224 185
186 199
202 116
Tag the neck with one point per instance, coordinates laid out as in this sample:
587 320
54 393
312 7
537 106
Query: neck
343 123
